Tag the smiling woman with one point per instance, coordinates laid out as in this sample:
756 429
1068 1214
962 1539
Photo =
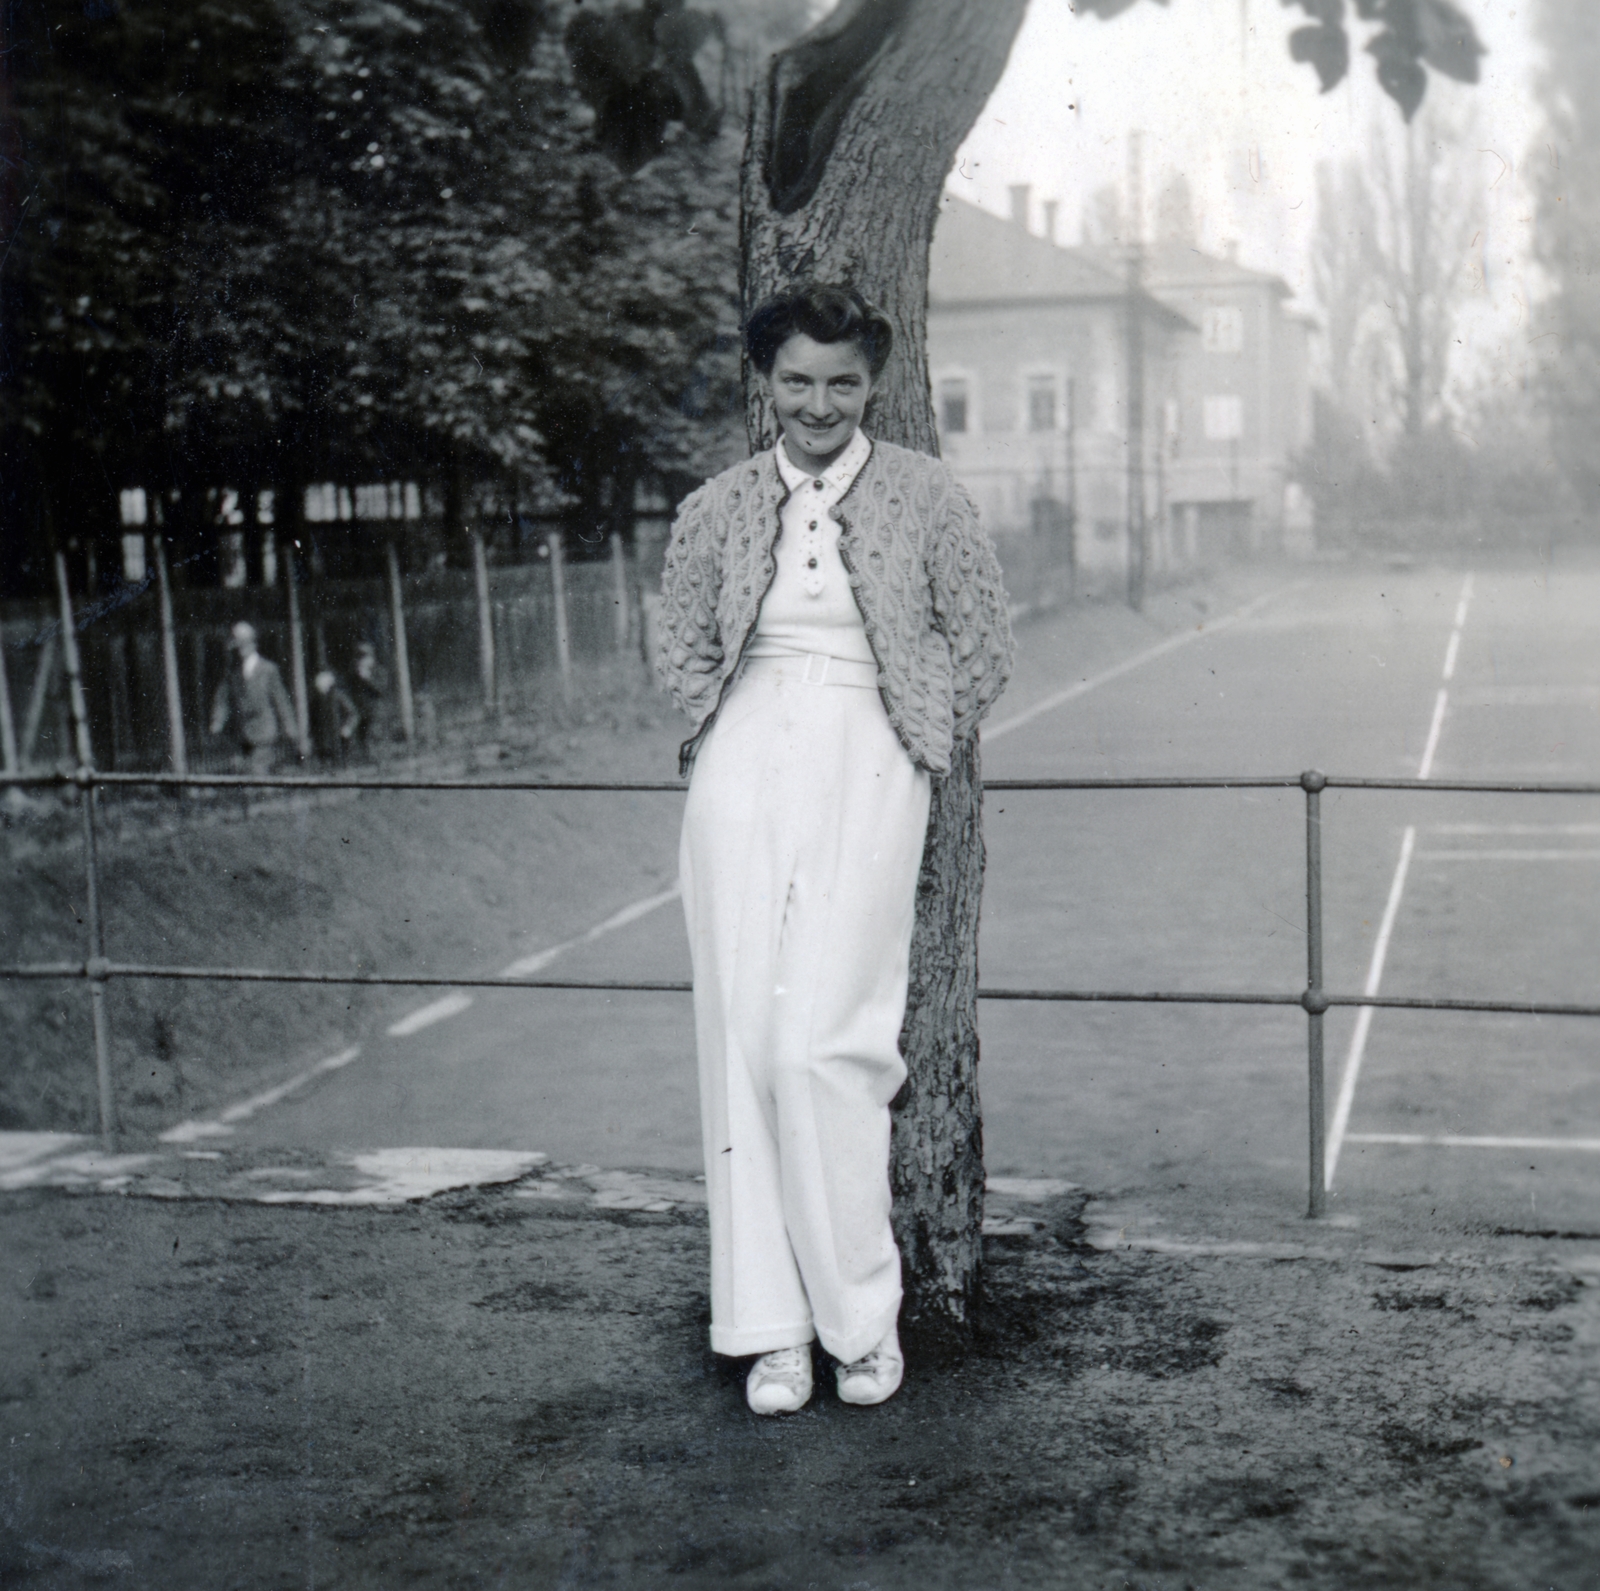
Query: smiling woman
833 623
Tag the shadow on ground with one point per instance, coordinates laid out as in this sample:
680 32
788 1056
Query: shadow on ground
492 1389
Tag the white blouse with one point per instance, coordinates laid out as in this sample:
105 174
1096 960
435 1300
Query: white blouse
810 606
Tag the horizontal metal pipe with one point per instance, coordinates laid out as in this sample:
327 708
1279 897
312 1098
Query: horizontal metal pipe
241 781
124 969
248 781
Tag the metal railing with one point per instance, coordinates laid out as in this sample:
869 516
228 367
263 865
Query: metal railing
97 970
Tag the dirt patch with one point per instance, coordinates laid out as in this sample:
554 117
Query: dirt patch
490 1389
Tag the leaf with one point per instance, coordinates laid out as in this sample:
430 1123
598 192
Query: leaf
1326 48
1400 73
1449 42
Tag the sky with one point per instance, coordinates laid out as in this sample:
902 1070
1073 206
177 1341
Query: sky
1211 86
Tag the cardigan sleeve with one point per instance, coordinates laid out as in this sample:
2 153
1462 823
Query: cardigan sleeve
969 600
689 650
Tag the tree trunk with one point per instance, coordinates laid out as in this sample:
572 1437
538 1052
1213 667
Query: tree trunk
852 133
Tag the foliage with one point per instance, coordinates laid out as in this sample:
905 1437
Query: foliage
1411 37
267 239
1391 263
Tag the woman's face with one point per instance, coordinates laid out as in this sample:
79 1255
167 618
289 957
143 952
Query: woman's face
820 391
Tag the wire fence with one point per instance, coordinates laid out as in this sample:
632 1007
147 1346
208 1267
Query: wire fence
97 970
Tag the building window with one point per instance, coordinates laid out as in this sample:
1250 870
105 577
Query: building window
1041 403
1224 418
953 406
1222 330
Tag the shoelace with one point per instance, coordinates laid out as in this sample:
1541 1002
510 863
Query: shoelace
788 1365
870 1364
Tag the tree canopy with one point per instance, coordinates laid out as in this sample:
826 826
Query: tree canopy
267 240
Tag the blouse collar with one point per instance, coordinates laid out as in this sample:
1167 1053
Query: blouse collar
837 479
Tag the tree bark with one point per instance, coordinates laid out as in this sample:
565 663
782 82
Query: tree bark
852 133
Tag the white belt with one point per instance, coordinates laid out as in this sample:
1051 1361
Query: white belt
814 668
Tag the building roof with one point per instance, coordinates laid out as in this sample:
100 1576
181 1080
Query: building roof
1169 266
979 258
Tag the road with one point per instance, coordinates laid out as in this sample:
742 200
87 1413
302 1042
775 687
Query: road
1482 672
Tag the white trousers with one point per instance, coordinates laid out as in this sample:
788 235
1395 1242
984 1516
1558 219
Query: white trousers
802 841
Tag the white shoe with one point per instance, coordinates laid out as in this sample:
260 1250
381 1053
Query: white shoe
780 1382
876 1376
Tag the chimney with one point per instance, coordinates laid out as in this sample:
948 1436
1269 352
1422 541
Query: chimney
1050 208
1019 203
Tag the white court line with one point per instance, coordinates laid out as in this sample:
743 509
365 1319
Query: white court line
454 1004
992 732
1435 729
1338 1132
1508 856
1447 1141
528 965
1511 828
223 1124
426 1015
1358 1040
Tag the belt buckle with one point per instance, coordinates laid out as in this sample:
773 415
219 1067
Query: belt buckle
822 673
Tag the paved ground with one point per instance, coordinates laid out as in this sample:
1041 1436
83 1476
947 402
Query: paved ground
507 1387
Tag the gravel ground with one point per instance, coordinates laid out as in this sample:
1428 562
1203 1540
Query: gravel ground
500 1387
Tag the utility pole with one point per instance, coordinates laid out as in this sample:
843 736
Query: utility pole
1137 550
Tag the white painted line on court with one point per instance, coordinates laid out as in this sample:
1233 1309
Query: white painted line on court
426 1015
992 732
1511 828
528 965
1358 1040
1508 856
223 1124
1590 1146
1338 1132
1435 729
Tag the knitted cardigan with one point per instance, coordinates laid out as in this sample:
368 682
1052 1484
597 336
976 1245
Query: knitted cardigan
922 569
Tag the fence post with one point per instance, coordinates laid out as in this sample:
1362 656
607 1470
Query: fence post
1314 999
94 965
178 750
558 588
402 657
8 725
486 671
619 590
297 659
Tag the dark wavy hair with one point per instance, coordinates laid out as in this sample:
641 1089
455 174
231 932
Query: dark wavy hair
825 313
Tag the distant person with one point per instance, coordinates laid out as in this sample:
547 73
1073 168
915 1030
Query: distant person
833 623
253 703
334 718
369 686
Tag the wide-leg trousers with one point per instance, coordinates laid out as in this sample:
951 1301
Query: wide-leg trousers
802 841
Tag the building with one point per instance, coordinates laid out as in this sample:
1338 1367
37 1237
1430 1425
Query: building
1030 345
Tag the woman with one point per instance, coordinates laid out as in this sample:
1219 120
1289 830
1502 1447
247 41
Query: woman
832 622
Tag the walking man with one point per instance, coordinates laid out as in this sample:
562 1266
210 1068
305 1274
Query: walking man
253 701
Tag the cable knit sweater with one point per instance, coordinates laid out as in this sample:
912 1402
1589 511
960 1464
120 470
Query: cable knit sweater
922 569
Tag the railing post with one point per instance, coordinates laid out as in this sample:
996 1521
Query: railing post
96 961
486 661
619 590
178 749
1314 999
8 725
402 652
558 592
297 659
